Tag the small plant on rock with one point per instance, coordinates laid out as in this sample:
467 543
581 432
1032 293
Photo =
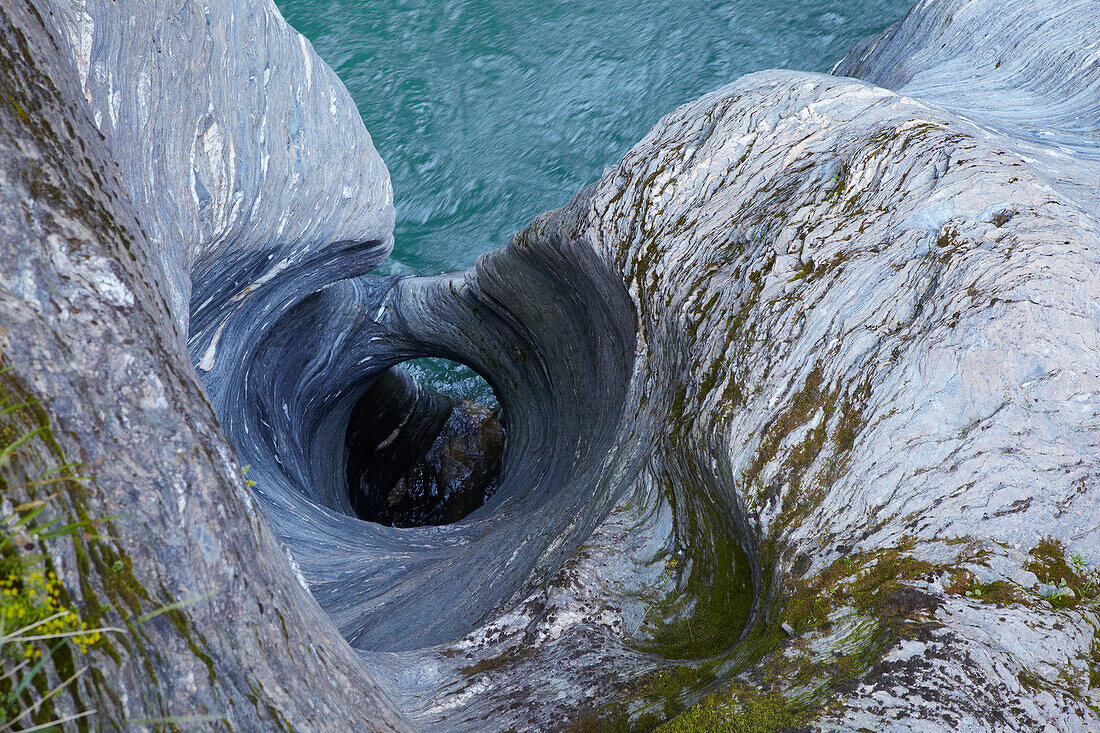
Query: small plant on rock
1064 584
43 634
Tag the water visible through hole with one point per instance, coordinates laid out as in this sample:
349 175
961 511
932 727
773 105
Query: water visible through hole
424 456
453 379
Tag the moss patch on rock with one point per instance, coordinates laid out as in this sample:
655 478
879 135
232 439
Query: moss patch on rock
1065 583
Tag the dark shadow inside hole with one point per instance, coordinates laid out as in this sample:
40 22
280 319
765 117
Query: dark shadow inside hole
424 445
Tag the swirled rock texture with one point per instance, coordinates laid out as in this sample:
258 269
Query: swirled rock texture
91 282
801 400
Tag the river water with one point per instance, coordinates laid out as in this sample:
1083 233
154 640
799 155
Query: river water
488 112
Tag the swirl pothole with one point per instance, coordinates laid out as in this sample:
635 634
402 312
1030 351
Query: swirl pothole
417 456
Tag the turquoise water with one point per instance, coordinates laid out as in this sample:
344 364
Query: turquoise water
488 112
453 379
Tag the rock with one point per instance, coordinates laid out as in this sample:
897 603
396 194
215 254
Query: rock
796 395
90 332
902 400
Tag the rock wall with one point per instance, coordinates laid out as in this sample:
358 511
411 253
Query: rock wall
90 288
800 397
868 309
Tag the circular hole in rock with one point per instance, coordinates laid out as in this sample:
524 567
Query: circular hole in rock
424 445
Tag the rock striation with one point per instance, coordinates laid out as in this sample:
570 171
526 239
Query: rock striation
800 400
93 316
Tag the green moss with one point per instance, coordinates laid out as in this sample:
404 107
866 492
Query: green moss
741 710
613 718
1048 563
999 592
664 693
487 665
873 590
27 573
807 481
183 628
1031 681
787 690
19 111
779 686
700 314
873 582
805 270
676 412
804 404
645 703
116 572
706 384
838 183
709 613
732 396
102 568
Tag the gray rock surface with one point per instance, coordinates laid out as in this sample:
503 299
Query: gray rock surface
90 333
802 398
224 124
